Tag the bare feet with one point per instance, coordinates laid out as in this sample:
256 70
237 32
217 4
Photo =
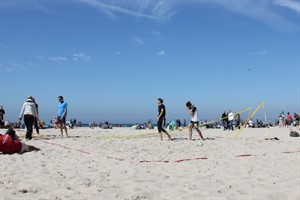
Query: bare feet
33 148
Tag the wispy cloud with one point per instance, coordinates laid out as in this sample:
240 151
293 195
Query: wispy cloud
58 59
32 5
12 65
81 56
138 40
260 53
264 11
148 37
163 10
157 36
160 10
293 5
6 68
4 46
31 64
161 53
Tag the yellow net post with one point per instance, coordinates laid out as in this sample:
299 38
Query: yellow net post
254 112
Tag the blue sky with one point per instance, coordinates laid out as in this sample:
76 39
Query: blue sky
111 60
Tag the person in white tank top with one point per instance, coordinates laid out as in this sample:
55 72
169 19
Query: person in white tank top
194 120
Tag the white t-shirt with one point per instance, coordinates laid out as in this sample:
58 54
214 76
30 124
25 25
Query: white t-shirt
230 116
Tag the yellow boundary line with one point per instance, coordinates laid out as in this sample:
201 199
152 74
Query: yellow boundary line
220 119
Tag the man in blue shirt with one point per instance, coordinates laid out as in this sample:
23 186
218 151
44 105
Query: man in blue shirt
61 115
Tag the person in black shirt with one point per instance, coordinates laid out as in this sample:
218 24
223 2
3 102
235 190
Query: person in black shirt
160 118
36 122
224 120
2 113
238 121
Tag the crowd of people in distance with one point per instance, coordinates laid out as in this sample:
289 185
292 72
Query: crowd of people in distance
103 125
288 120
29 119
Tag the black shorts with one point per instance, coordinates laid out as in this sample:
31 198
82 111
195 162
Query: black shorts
195 124
61 121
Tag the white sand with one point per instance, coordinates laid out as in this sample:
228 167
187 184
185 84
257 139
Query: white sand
86 166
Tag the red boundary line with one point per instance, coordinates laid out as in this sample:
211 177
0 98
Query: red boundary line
67 147
183 160
291 151
245 155
160 161
189 159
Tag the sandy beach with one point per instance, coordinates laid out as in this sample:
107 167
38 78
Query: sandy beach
103 164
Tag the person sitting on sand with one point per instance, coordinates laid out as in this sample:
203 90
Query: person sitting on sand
194 120
10 144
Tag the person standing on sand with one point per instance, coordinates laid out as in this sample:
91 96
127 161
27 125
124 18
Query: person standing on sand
30 115
36 121
237 121
160 118
230 118
194 120
224 119
61 115
296 119
2 113
288 119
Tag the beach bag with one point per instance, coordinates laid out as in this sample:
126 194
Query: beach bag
294 134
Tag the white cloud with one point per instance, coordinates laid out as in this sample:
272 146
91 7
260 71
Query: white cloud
138 41
261 11
260 53
294 5
57 58
5 67
163 10
160 10
81 56
264 11
161 53
9 47
31 64
157 36
12 65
